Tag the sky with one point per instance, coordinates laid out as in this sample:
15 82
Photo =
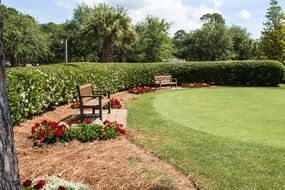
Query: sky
183 14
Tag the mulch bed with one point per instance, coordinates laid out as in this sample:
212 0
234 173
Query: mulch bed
111 164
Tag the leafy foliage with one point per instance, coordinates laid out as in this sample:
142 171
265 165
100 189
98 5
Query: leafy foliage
109 27
242 43
24 42
214 41
214 18
33 90
273 37
154 44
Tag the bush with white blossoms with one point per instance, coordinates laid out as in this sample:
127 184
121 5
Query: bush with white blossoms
52 183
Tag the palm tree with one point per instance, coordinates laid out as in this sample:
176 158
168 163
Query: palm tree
111 28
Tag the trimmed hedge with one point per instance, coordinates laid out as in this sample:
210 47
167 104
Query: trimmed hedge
33 90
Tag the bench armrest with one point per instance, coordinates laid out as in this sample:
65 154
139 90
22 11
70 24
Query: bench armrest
103 91
94 96
174 79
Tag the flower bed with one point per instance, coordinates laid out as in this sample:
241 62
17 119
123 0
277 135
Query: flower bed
195 85
51 132
115 104
51 183
141 90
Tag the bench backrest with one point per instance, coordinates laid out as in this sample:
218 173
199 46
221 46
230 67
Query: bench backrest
163 78
85 90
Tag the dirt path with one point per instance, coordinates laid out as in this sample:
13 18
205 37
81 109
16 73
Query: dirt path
112 164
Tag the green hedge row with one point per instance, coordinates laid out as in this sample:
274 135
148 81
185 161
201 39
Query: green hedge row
33 90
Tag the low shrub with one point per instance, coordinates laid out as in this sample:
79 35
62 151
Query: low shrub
33 90
52 132
52 183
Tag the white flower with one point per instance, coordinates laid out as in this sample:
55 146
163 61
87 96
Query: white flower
63 123
97 122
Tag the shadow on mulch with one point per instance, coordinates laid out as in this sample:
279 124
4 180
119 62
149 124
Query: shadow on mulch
75 119
159 187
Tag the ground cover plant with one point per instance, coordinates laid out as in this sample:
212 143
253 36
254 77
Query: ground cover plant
224 138
33 90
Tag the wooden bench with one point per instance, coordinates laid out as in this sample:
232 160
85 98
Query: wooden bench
165 80
90 99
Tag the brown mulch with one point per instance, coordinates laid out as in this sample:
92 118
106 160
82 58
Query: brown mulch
111 164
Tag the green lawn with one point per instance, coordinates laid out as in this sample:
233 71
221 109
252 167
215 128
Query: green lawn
224 138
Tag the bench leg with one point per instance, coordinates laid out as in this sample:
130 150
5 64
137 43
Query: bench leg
81 115
109 107
100 114
100 109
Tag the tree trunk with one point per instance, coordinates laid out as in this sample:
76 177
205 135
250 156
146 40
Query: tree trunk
9 175
107 51
12 61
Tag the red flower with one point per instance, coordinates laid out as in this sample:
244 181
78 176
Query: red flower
52 124
39 137
27 183
34 129
40 184
44 122
106 122
87 120
120 128
61 188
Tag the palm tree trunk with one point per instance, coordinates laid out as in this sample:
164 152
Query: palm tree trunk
9 174
107 51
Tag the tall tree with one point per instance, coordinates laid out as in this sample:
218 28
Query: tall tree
109 27
212 42
242 43
179 41
9 175
154 43
214 18
23 41
272 42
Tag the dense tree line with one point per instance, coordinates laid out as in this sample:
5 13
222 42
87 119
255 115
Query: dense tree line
105 33
214 41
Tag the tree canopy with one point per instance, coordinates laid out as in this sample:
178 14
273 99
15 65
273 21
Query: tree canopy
272 42
154 43
106 33
24 42
109 27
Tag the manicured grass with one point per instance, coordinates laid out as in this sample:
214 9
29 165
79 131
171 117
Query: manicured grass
224 138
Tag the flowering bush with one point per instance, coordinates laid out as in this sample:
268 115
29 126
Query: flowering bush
141 90
118 127
115 103
51 132
51 183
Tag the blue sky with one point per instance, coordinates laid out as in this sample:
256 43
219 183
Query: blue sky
184 14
